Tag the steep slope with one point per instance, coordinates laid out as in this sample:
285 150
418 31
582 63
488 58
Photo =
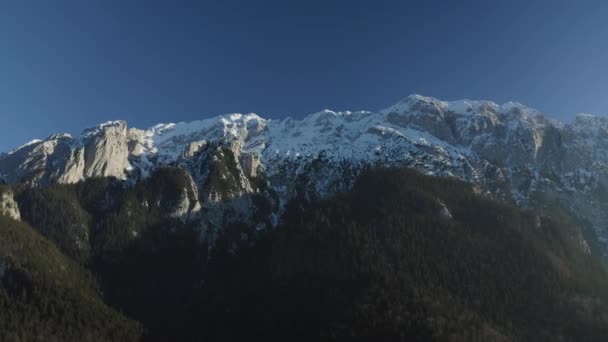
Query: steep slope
46 296
100 152
8 205
385 262
401 256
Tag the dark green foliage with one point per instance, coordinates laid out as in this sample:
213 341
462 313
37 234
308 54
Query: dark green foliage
137 208
48 297
382 263
158 279
100 217
165 187
99 195
147 264
58 215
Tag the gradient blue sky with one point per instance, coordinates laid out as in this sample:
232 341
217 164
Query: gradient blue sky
66 65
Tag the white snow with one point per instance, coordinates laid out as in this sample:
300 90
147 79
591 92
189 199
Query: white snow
29 143
93 131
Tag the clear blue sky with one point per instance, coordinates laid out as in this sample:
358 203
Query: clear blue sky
65 65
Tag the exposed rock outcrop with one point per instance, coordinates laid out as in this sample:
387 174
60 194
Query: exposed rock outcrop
188 204
106 152
74 168
444 212
192 149
250 163
101 152
8 205
38 162
509 151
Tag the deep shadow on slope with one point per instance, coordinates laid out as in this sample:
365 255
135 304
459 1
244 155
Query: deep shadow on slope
383 262
48 297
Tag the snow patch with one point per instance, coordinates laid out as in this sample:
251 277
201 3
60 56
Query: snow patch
29 143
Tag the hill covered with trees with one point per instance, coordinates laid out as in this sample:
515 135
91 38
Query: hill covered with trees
401 257
46 296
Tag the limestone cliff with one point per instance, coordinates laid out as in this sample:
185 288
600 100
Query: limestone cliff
106 152
8 205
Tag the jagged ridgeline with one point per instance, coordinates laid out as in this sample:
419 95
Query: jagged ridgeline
238 227
509 151
401 256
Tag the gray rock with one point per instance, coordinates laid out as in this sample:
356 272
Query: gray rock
443 210
188 205
106 152
8 205
74 167
510 152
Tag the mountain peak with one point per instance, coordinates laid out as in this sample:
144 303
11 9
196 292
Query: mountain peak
417 98
29 143
409 102
467 139
60 136
96 130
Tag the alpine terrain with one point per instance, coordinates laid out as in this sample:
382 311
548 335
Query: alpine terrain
427 220
509 152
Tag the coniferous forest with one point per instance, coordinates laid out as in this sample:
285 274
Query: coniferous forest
401 257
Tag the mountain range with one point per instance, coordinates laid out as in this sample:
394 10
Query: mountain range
427 221
509 152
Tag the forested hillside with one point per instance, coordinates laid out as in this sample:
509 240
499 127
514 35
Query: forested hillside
401 257
45 296
407 257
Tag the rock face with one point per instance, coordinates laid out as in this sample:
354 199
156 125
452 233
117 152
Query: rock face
102 151
444 211
8 205
507 151
74 168
106 151
37 162
188 204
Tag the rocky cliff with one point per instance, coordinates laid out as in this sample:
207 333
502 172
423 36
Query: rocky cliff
509 151
8 205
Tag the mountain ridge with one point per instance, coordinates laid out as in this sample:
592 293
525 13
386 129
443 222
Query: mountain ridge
509 151
455 105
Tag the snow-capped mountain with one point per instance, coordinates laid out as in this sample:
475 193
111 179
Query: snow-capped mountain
508 151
